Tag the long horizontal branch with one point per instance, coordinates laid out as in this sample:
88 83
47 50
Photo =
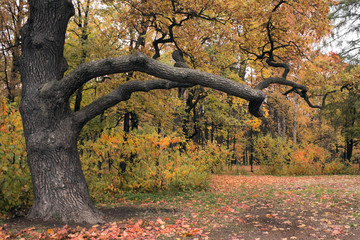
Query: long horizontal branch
175 76
139 62
122 93
170 77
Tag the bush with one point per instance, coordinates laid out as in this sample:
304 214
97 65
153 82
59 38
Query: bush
339 167
147 162
335 167
308 160
15 182
273 154
278 158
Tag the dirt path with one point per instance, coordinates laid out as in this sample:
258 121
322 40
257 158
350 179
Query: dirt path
235 207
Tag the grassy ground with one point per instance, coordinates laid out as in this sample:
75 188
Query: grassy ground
235 207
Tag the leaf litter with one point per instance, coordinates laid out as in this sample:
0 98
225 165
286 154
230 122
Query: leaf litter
234 207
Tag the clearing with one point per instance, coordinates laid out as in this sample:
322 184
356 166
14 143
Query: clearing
234 207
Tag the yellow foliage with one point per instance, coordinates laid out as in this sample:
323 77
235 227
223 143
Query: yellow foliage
15 182
148 162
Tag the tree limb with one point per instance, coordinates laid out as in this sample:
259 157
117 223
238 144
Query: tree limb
170 77
139 62
279 80
304 95
122 93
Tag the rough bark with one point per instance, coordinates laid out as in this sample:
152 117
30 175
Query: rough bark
59 186
60 190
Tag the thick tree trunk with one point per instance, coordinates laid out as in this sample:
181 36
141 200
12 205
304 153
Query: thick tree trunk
59 186
60 190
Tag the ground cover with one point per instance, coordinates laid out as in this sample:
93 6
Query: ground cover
234 207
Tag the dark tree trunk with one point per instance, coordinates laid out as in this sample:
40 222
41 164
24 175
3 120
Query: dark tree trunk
59 186
234 149
60 190
251 151
78 99
83 25
127 122
134 121
349 148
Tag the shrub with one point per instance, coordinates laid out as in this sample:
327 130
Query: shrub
273 154
308 160
278 158
15 181
339 167
147 162
335 167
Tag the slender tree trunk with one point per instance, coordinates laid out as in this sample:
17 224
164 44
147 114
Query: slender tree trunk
295 122
251 151
278 123
83 25
245 157
283 127
59 186
212 132
349 148
78 99
234 148
127 122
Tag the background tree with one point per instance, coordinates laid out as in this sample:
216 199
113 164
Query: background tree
343 107
346 16
12 18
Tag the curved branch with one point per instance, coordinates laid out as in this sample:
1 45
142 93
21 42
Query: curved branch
286 67
304 95
299 89
278 80
170 77
139 62
122 93
84 73
255 105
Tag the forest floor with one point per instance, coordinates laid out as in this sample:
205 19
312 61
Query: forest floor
234 207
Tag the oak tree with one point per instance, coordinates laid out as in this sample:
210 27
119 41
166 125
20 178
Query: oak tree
51 128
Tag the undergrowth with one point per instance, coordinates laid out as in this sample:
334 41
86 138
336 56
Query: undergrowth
116 164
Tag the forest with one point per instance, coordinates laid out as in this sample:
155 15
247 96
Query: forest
166 135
